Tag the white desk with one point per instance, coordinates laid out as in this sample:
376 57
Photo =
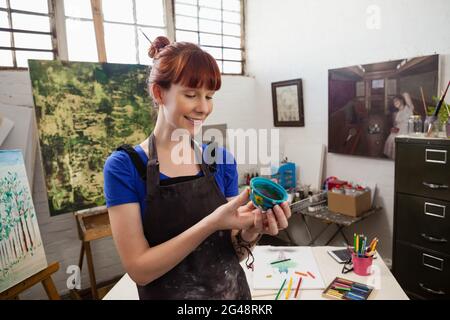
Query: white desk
387 288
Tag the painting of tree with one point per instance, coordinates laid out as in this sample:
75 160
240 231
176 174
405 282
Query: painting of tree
21 250
84 111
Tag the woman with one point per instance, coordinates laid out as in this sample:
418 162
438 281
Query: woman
404 111
181 233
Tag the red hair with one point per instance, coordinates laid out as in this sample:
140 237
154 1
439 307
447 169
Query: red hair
182 63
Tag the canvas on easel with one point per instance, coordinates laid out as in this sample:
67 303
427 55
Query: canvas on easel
21 249
84 111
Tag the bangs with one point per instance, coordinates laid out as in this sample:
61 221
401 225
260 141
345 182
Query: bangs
199 71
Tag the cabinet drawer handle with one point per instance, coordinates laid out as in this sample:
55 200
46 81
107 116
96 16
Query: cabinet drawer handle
433 239
442 158
440 292
435 186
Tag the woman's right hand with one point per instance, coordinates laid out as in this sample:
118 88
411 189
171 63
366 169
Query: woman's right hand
234 214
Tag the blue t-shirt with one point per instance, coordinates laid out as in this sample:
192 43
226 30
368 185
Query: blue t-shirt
122 183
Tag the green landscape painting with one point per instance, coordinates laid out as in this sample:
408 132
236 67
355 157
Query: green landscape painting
84 111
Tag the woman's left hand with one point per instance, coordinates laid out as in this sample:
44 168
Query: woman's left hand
269 222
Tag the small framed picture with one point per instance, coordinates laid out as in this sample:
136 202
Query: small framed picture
287 100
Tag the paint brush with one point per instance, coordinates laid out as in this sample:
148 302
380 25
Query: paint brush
436 112
423 101
439 105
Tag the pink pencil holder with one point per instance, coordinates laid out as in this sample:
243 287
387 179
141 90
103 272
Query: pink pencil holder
361 265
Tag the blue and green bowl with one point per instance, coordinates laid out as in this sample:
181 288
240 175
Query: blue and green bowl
265 193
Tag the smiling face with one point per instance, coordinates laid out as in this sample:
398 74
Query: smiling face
186 108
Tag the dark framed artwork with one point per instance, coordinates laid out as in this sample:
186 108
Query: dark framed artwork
287 101
370 104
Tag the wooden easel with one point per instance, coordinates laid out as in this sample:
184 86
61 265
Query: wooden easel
43 276
92 224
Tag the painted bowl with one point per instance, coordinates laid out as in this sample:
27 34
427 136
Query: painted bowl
265 193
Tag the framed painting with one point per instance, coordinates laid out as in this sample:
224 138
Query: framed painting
287 100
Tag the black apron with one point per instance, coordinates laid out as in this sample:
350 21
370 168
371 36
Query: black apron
212 270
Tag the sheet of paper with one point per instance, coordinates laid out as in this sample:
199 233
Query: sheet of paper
270 275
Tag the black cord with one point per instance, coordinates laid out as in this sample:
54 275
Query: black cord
242 244
249 265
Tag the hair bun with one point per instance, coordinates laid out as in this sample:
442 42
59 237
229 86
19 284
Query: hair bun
157 45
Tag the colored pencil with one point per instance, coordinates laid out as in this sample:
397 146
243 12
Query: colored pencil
371 244
335 293
353 296
284 260
281 288
363 245
312 276
348 282
337 284
301 273
357 244
360 286
288 291
298 287
341 288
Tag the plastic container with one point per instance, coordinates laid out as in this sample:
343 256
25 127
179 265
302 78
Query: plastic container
362 265
428 124
415 125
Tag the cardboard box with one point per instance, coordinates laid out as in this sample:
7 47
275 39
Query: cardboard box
349 205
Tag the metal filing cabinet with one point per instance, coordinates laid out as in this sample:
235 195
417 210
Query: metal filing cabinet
421 252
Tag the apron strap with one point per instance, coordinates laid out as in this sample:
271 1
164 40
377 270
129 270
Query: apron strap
137 161
152 165
199 157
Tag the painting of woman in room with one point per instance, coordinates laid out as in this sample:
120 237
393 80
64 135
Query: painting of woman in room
404 108
369 105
